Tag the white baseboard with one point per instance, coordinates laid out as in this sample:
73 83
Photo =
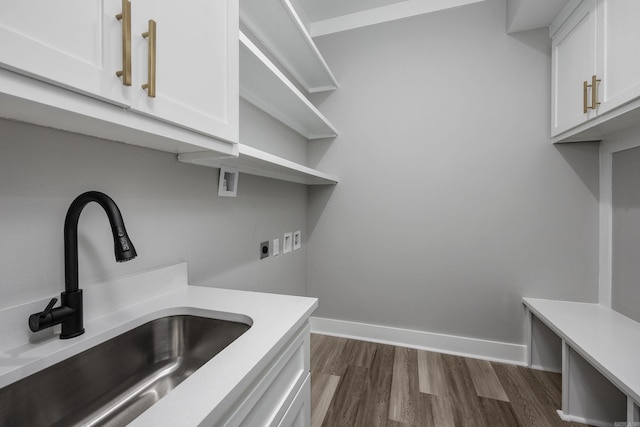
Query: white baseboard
581 420
539 367
449 344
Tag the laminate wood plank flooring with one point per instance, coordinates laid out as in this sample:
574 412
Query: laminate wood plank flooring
347 402
323 388
485 380
328 351
403 401
438 410
363 384
430 373
460 389
376 400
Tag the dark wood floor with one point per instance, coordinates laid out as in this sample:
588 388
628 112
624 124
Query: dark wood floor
358 383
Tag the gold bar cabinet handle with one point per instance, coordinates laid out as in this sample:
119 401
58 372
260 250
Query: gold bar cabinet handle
150 86
125 17
594 92
585 98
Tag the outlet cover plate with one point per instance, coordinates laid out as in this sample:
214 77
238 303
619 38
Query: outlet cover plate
287 243
276 247
264 249
297 240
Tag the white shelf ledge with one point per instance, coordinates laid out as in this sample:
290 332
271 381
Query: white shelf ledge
256 162
263 85
279 28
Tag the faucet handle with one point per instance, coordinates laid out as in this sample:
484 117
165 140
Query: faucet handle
48 308
39 321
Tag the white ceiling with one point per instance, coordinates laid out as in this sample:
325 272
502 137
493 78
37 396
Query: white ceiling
529 14
319 10
329 16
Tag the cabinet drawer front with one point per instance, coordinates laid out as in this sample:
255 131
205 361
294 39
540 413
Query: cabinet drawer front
280 392
299 413
267 401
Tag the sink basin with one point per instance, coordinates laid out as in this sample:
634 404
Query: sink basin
114 382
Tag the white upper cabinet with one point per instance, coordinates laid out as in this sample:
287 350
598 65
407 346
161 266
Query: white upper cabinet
573 64
618 52
187 61
595 69
76 44
196 71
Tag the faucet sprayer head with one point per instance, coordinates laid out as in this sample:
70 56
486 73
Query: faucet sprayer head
123 248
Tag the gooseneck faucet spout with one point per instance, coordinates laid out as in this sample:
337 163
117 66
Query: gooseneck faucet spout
123 248
70 312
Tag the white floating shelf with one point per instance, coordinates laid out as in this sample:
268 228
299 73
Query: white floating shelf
279 28
256 162
263 85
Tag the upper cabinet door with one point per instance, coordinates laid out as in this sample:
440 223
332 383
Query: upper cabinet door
76 44
573 63
618 52
195 64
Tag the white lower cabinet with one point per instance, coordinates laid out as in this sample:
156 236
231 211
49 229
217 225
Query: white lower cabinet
299 413
281 395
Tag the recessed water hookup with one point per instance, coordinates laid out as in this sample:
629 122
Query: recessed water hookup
228 182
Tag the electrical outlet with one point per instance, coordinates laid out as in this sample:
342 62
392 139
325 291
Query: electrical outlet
264 249
287 243
297 240
276 247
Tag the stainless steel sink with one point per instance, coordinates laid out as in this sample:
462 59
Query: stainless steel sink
114 382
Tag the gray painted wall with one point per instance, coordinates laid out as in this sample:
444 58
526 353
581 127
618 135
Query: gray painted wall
263 132
625 286
452 203
171 211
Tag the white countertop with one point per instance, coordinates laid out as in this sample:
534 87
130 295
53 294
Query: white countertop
605 338
214 388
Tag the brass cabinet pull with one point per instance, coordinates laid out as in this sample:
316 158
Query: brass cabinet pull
150 86
594 92
125 17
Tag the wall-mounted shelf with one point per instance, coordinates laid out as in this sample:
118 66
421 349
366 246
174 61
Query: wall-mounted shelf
263 85
256 162
279 28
